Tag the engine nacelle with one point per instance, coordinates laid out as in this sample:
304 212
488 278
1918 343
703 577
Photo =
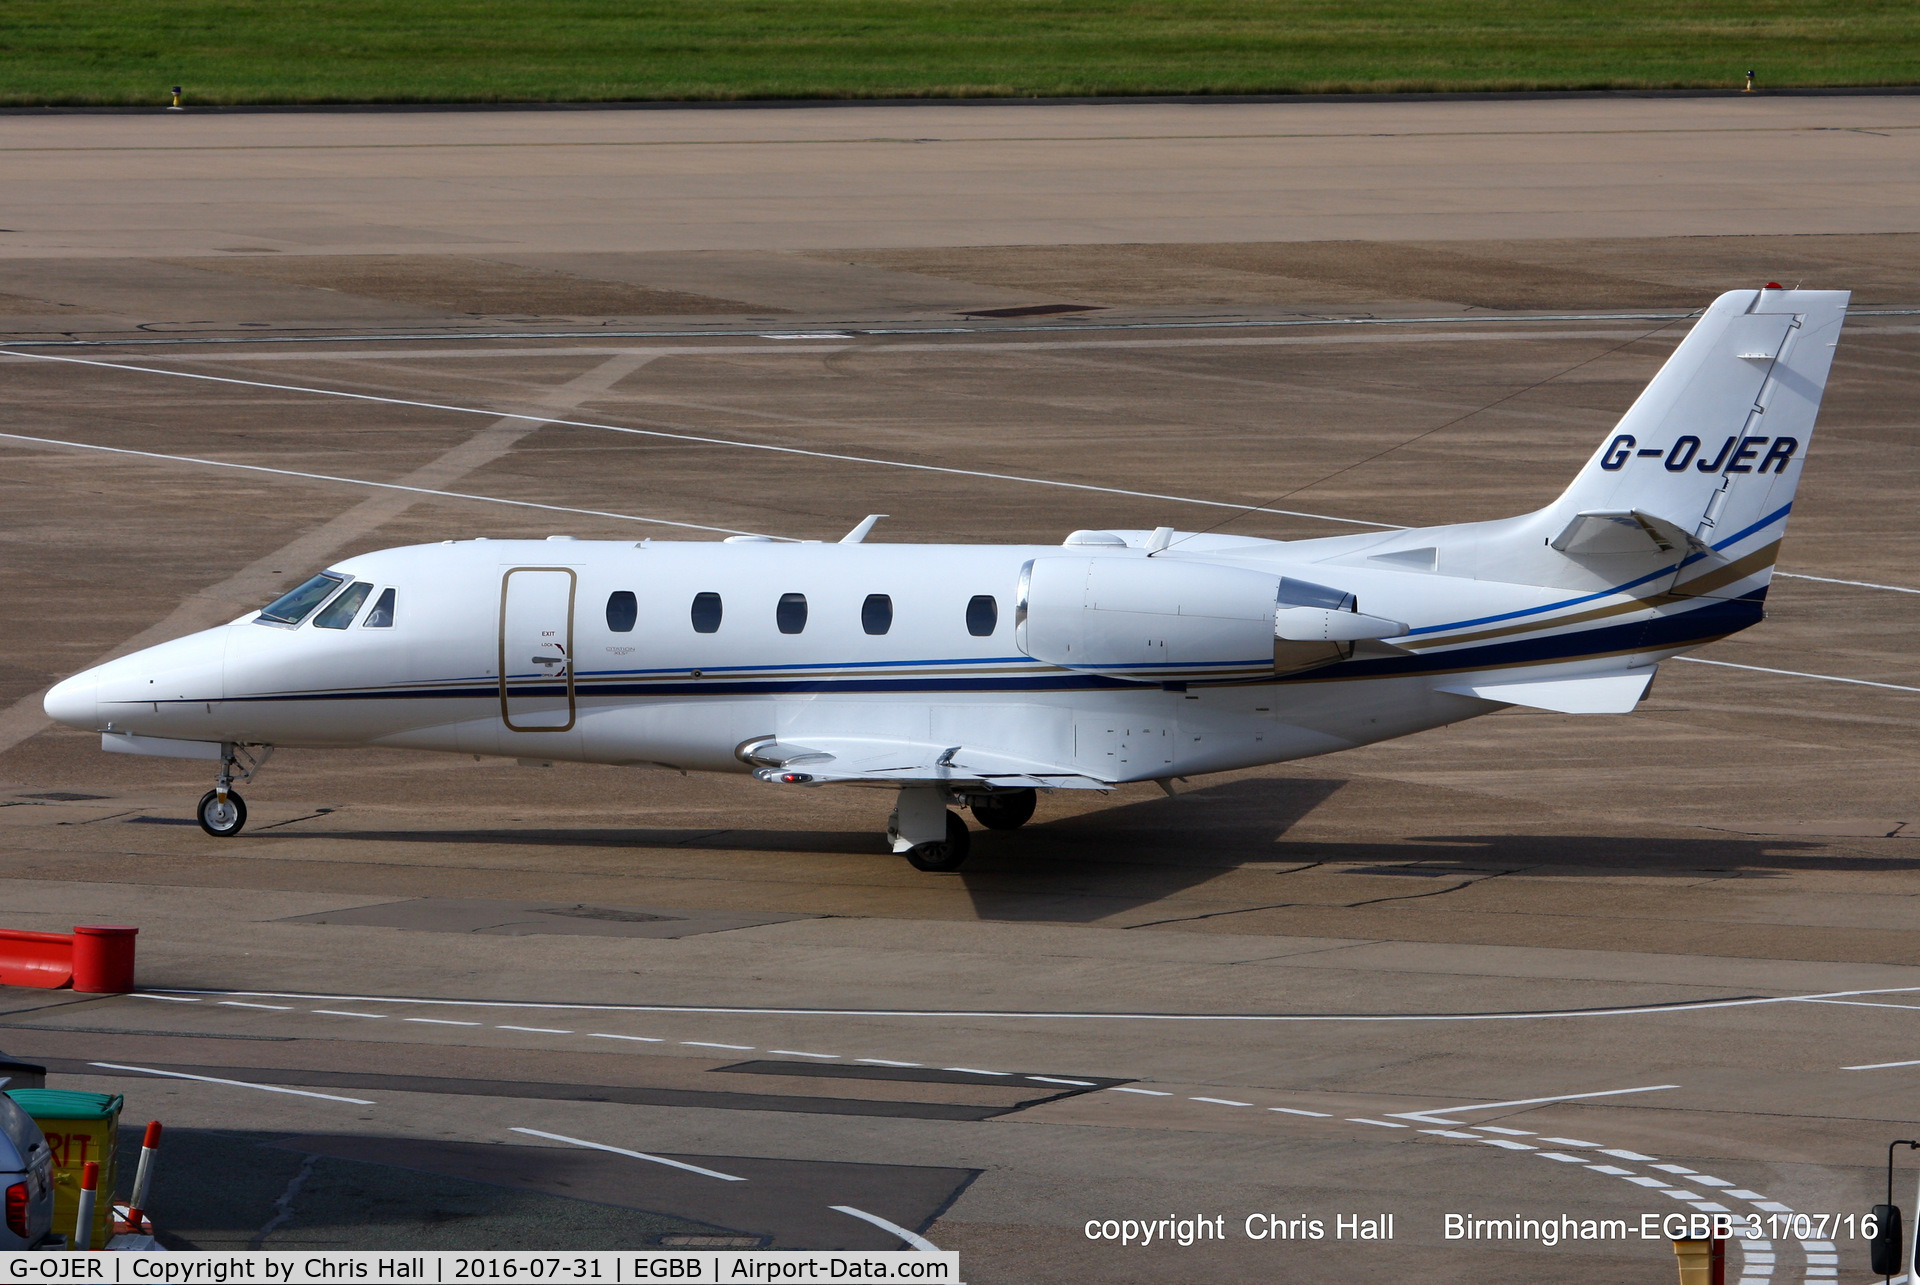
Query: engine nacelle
1146 619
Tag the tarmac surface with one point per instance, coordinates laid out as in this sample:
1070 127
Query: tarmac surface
1529 966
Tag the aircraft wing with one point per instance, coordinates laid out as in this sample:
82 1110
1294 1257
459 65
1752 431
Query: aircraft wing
853 760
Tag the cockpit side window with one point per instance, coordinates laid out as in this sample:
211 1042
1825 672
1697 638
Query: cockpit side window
381 617
340 612
293 607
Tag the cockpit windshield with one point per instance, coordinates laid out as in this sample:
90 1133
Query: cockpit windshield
294 607
341 611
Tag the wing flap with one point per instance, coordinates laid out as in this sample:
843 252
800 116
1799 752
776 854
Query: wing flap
836 760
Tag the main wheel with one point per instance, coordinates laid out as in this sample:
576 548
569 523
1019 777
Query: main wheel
948 854
222 819
1003 809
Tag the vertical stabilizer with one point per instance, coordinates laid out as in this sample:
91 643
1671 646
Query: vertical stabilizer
1709 456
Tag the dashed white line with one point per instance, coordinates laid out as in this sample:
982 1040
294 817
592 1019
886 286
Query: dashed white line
1879 1066
1858 584
798 1053
638 1039
1318 1115
171 999
238 1084
709 1044
271 1008
971 1070
1569 1142
1797 673
338 1012
1494 1128
1052 1079
535 1030
438 1021
1453 1133
637 1155
1560 1156
1225 1102
1641 1180
1508 1143
1146 1093
1663 1168
881 1061
1384 1124
1619 1154
1614 1170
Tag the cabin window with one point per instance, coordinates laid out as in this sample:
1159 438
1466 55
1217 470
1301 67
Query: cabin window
791 614
622 610
293 607
876 613
341 611
706 613
381 617
983 615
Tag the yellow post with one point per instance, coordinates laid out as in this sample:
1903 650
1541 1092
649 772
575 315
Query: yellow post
1696 1261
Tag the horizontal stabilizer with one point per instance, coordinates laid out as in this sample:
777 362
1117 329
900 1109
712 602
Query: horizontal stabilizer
1584 694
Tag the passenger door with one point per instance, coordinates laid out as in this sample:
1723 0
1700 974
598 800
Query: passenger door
536 648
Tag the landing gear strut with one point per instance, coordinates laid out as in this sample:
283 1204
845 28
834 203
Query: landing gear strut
922 830
222 811
1003 809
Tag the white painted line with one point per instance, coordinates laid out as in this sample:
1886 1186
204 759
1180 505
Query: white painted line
1615 1170
1563 1097
1639 1181
1317 1115
1569 1142
881 1061
1678 1194
1618 1154
1453 1133
382 486
1384 1124
272 1008
1508 1143
535 1030
786 1052
1664 1168
238 1084
1152 1093
1223 1102
1512 1133
1858 584
637 1155
1561 1156
948 1015
709 1044
694 438
1863 1003
918 1241
1743 1194
969 1070
439 1021
1046 1079
1878 1066
1772 1206
1710 1207
335 1012
171 999
639 1039
1795 673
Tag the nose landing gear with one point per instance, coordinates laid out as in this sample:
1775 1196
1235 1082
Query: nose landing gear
222 811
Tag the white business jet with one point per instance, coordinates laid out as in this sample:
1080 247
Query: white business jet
975 675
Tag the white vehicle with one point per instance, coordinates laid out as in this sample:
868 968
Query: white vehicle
26 1179
978 674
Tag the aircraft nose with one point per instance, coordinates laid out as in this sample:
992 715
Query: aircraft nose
75 702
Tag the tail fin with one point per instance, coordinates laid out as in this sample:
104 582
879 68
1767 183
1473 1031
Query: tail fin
1707 459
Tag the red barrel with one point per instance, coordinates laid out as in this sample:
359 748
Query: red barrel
103 958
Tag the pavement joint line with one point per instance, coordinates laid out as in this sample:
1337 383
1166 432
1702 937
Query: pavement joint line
238 1084
914 1239
622 1151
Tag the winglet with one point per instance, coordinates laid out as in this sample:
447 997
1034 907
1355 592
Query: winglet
859 534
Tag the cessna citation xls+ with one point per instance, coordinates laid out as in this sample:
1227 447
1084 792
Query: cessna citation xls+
978 674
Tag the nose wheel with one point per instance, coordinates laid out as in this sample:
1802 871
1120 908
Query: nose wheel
222 813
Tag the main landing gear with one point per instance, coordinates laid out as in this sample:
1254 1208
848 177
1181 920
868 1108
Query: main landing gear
936 840
222 811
